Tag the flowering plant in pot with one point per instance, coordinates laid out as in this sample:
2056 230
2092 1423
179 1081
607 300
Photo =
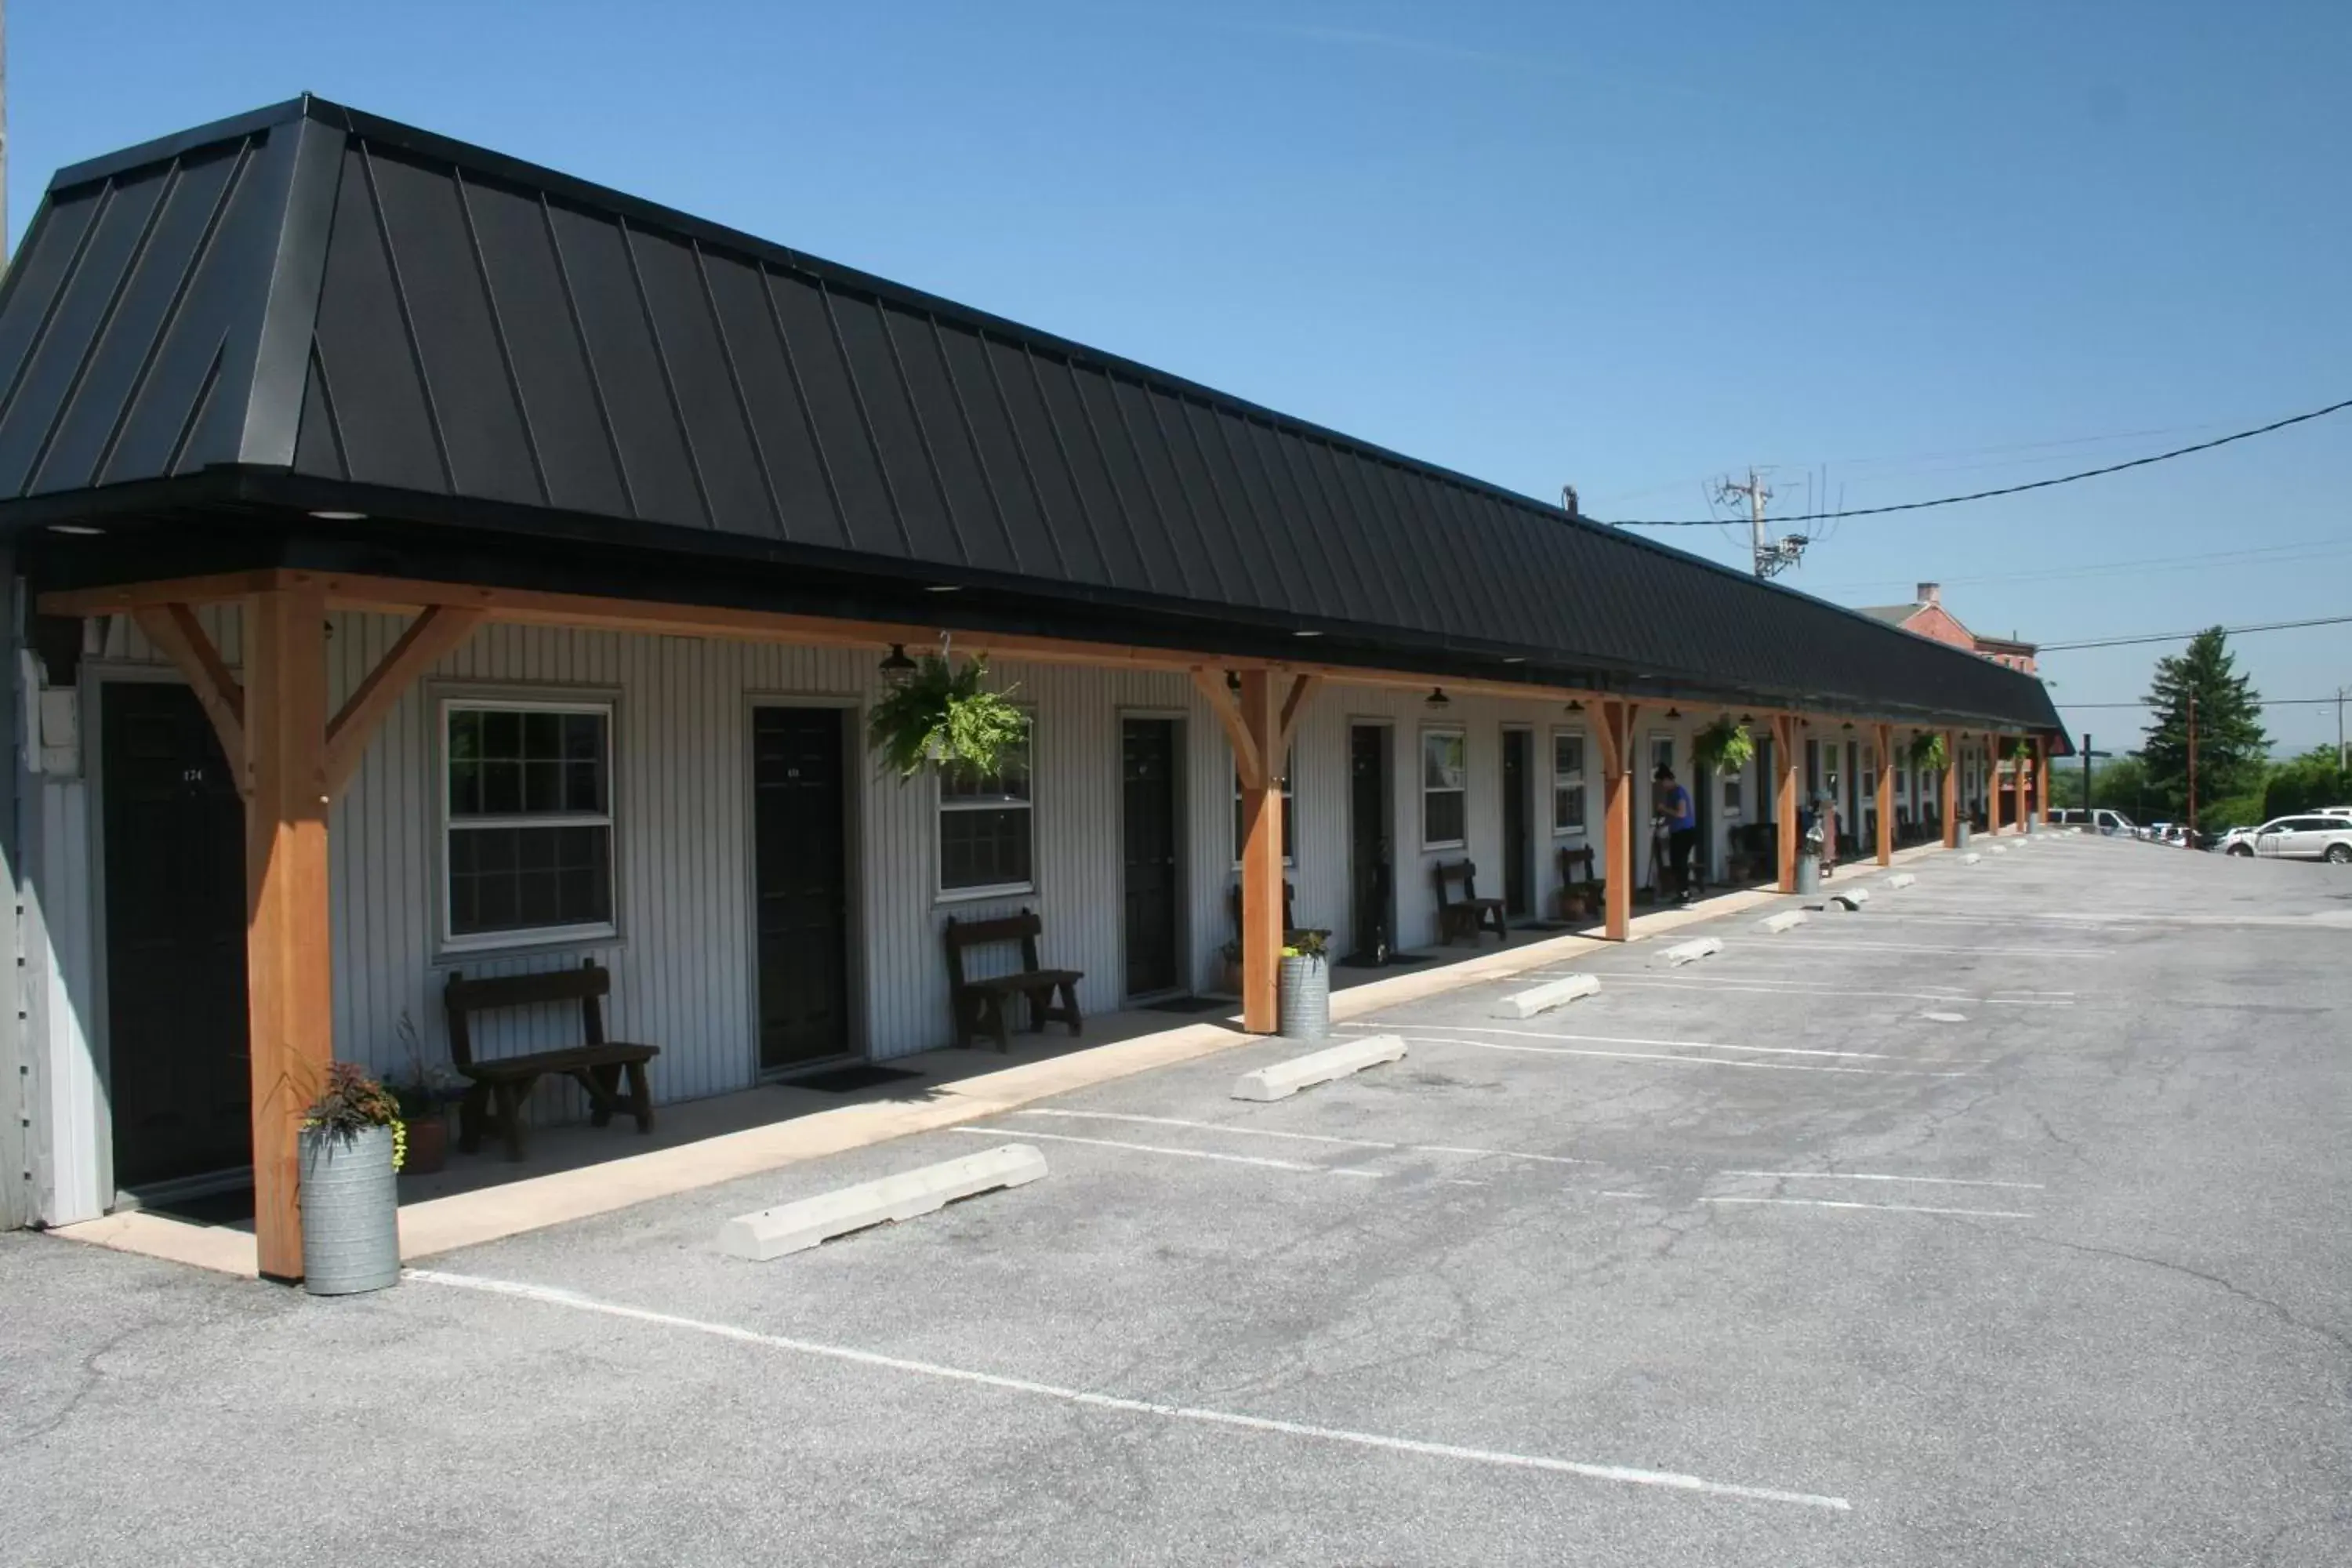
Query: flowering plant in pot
1928 753
1303 994
424 1096
351 1144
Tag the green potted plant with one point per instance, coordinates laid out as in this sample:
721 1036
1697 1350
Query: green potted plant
424 1094
1303 993
1928 755
941 714
1723 748
351 1147
1229 969
1575 901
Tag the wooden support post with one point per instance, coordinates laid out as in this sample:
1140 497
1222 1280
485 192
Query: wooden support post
2042 781
1883 739
1951 790
288 966
1617 818
1260 714
1993 784
1784 797
175 632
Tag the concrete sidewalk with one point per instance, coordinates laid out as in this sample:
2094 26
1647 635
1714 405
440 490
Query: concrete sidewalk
488 1213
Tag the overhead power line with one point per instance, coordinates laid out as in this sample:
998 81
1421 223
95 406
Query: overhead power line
2264 702
2011 489
2184 637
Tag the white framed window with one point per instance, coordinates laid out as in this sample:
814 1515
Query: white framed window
1445 789
1662 753
527 821
1734 796
1568 819
1289 812
988 826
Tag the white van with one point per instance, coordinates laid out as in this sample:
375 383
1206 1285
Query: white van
2099 819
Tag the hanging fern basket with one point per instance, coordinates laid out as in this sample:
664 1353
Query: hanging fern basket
943 716
1928 753
1723 747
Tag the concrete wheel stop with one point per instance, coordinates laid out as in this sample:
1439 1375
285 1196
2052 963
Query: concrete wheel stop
1284 1079
796 1227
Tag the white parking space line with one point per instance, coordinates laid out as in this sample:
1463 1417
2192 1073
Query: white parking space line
1623 1473
1874 1176
1638 1040
1247 1132
1883 1208
1834 991
1180 1154
1209 1127
1802 943
1694 1061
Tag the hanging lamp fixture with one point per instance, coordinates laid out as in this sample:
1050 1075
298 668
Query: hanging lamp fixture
898 669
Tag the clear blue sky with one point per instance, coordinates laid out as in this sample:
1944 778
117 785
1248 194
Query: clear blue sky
1628 247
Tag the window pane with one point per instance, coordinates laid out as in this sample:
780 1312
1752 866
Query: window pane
1567 809
583 737
502 734
984 849
1441 760
516 878
1442 816
465 787
501 788
542 786
1568 753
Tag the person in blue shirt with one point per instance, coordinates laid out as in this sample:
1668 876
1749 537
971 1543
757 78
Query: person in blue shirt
1673 804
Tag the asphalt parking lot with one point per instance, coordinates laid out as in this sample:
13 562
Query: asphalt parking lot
2002 1222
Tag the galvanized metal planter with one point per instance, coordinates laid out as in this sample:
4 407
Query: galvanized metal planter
351 1212
1302 996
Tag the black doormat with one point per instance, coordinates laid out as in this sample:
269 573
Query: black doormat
1393 960
1545 926
1187 1004
848 1079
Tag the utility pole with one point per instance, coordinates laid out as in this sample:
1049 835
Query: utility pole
2192 839
2090 819
2341 765
1772 556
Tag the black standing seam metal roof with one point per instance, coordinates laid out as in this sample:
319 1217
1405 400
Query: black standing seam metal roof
312 290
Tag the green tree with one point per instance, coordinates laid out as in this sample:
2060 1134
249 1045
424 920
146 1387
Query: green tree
2232 750
2306 783
2121 785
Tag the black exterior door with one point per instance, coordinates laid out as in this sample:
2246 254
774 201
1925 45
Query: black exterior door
1519 848
801 848
1148 781
178 1073
1368 874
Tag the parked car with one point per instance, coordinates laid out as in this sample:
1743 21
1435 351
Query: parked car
2318 837
2099 819
2333 811
2237 841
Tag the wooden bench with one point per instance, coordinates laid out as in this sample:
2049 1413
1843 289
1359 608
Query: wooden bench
495 1090
1576 865
1469 914
980 1004
1291 929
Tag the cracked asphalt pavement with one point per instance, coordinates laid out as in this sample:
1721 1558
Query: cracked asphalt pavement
1750 1261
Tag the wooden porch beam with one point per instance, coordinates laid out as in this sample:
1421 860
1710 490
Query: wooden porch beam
1617 818
175 631
290 978
1248 771
1785 740
1261 856
1294 708
1951 790
1993 784
1883 742
429 637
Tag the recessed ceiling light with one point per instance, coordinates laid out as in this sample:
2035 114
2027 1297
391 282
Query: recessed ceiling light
1306 633
942 588
78 530
1515 658
333 516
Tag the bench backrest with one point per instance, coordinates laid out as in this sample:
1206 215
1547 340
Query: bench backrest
1234 901
1451 871
1023 928
463 997
1572 861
